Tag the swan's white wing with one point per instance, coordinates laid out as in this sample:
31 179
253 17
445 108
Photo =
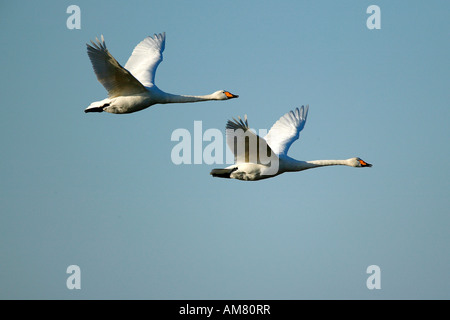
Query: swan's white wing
116 80
146 57
286 130
245 144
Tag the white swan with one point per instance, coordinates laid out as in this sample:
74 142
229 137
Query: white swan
133 88
251 164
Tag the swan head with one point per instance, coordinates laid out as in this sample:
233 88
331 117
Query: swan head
224 95
358 162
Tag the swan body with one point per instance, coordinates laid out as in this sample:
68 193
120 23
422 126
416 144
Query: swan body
277 142
132 88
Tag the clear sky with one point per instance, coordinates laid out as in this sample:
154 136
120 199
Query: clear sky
100 191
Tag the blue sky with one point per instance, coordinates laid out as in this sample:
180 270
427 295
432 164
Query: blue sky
100 190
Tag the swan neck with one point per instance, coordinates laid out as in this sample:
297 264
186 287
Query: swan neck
296 165
175 98
323 163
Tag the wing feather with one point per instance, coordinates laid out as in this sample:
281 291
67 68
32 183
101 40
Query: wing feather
286 130
146 57
245 144
116 80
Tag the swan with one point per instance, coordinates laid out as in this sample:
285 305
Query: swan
249 164
132 88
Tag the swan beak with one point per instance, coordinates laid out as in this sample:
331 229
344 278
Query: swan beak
364 164
230 95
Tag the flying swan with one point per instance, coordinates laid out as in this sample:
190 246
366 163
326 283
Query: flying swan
259 158
133 88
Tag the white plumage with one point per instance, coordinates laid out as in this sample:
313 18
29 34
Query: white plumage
133 88
286 130
259 158
146 57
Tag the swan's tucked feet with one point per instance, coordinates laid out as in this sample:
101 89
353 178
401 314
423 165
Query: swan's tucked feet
223 173
96 109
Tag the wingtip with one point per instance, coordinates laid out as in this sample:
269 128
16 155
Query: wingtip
161 35
303 111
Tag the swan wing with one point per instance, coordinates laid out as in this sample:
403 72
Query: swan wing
245 144
116 80
146 57
286 130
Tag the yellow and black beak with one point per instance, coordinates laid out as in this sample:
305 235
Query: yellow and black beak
364 164
230 95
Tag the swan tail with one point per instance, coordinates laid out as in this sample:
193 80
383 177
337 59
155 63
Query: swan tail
97 106
222 173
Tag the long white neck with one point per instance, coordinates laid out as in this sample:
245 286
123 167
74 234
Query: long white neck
323 163
295 165
175 98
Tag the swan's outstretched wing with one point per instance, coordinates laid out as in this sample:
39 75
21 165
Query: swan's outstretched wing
116 80
286 130
146 57
245 144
